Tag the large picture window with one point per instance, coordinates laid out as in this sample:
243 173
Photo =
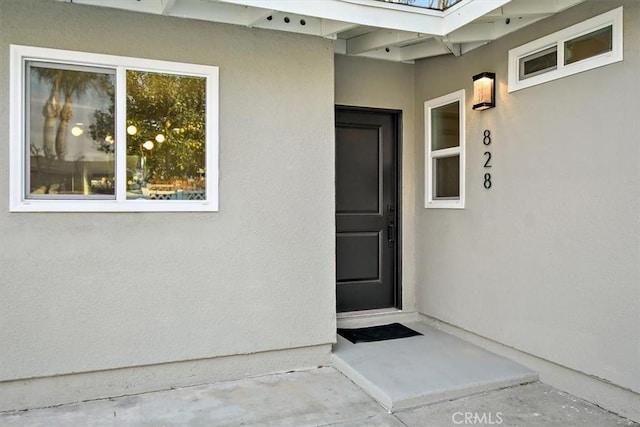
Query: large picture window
444 151
105 133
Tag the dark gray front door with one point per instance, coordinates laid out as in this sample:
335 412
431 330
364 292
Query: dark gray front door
366 209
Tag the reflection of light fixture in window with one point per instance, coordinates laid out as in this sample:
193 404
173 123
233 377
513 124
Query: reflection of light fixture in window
77 130
148 145
132 130
109 139
160 137
484 91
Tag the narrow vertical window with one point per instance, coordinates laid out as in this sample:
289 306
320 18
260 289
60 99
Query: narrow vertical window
444 151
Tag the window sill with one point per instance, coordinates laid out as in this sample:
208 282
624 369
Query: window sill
112 206
444 204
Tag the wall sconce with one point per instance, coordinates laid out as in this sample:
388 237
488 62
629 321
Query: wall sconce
484 91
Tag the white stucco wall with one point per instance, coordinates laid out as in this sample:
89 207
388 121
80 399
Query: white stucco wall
547 260
364 82
86 291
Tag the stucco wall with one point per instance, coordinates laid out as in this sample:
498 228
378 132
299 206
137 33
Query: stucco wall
85 291
547 260
364 82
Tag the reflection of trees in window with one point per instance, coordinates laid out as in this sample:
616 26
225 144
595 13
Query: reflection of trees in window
166 116
165 126
79 149
67 92
65 85
102 128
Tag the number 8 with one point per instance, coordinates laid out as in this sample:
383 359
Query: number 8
487 137
487 180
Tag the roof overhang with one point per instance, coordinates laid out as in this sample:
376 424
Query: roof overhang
370 28
391 16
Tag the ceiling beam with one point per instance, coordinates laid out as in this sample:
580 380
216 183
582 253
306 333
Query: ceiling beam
331 28
451 47
218 12
291 22
431 47
502 28
254 16
392 54
149 6
486 31
472 33
468 47
379 39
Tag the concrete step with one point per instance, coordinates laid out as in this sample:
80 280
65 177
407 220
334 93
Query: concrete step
434 367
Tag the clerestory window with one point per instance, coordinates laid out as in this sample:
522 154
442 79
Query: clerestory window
593 43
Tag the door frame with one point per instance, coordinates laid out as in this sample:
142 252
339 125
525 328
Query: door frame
397 161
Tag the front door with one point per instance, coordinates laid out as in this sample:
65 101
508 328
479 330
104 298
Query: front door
366 209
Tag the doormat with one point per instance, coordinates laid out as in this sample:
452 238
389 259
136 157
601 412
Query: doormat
378 333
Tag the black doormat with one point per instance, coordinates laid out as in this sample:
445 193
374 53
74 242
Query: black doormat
378 333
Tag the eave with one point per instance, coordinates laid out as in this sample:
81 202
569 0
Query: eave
368 28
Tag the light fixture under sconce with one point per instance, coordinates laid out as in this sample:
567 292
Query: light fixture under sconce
484 91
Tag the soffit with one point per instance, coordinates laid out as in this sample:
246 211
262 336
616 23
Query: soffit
368 28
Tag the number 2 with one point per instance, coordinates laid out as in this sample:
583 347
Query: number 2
486 164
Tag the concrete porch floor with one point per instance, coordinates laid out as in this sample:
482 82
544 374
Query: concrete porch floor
319 397
432 367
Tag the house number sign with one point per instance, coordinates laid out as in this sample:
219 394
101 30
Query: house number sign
486 140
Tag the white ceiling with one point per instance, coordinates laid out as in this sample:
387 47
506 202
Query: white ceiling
368 28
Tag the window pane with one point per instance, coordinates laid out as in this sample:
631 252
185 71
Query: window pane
539 62
447 177
445 126
592 44
426 4
165 136
70 113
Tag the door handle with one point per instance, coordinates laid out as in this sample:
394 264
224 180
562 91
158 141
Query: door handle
391 233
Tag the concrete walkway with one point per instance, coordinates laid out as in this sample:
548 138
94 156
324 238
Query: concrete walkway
319 397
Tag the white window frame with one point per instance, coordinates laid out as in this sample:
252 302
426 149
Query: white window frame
431 155
612 18
18 200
